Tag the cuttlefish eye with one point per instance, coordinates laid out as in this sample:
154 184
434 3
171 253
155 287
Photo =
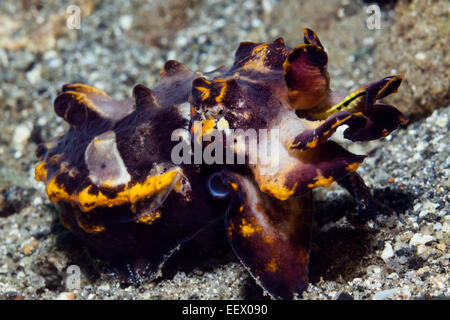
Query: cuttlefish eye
217 187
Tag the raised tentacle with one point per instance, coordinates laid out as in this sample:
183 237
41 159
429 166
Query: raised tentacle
367 119
305 73
303 171
374 123
360 100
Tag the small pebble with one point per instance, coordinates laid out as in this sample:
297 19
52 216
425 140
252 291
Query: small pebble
385 294
442 121
388 252
420 239
66 296
421 56
30 246
126 22
34 75
20 136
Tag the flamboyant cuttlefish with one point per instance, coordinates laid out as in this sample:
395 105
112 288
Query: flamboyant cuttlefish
119 188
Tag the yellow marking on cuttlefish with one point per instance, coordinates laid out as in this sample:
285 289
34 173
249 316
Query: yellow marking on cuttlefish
272 266
108 183
87 224
269 239
352 166
230 229
256 62
234 186
41 172
150 218
277 188
321 181
56 192
131 193
400 76
94 228
178 186
221 95
247 229
86 89
313 143
343 105
204 92
208 126
83 99
337 124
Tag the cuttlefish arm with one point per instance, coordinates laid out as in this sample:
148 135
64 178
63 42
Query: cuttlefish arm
308 84
270 237
366 119
366 208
